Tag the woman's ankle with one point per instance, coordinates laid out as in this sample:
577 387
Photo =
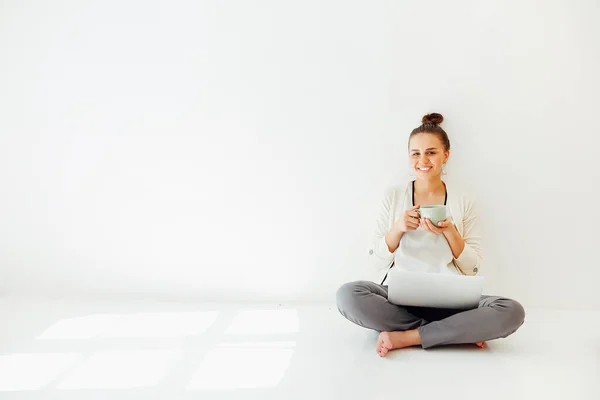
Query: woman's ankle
405 338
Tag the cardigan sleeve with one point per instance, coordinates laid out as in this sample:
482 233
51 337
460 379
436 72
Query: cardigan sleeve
380 256
469 261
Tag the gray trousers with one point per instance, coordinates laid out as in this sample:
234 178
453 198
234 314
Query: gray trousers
365 303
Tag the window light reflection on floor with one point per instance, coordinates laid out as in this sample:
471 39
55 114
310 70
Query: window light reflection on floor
120 370
135 325
243 366
23 372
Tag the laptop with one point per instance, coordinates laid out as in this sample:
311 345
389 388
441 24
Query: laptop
434 290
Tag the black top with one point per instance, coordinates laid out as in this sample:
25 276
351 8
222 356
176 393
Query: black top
413 193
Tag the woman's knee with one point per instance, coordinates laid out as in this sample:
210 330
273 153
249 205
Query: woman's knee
514 314
518 314
347 296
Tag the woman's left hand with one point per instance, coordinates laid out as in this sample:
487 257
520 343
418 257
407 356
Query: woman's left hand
443 226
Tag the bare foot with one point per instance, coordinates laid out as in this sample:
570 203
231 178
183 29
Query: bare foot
396 340
384 344
481 344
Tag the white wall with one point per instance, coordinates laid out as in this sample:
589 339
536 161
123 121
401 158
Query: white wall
227 149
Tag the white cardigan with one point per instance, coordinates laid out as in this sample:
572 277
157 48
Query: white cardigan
465 217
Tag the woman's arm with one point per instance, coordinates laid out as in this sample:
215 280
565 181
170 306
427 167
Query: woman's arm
469 259
455 241
392 239
466 245
379 252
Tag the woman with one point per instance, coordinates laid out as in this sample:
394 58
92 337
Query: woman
403 240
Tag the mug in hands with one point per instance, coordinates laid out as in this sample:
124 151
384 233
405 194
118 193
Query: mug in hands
435 214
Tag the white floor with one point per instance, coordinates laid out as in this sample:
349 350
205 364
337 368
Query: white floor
71 349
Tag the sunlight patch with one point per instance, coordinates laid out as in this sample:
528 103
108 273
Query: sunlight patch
136 325
121 370
19 372
243 366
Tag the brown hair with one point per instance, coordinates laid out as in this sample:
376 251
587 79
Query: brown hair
431 124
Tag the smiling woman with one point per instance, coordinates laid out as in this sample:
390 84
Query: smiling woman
404 240
429 153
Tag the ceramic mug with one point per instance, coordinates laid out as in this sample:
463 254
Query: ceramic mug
435 214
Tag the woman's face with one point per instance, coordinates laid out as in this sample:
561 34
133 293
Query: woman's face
427 156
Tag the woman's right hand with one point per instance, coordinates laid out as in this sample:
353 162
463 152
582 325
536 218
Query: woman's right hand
409 222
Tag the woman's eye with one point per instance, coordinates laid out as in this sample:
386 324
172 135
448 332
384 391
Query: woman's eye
415 154
431 152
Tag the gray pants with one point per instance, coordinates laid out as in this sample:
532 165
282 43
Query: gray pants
365 303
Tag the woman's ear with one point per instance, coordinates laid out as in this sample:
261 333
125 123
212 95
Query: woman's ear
447 156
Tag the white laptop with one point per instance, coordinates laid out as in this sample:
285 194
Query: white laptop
433 290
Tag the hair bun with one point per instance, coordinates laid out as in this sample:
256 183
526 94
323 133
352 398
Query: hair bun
432 119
